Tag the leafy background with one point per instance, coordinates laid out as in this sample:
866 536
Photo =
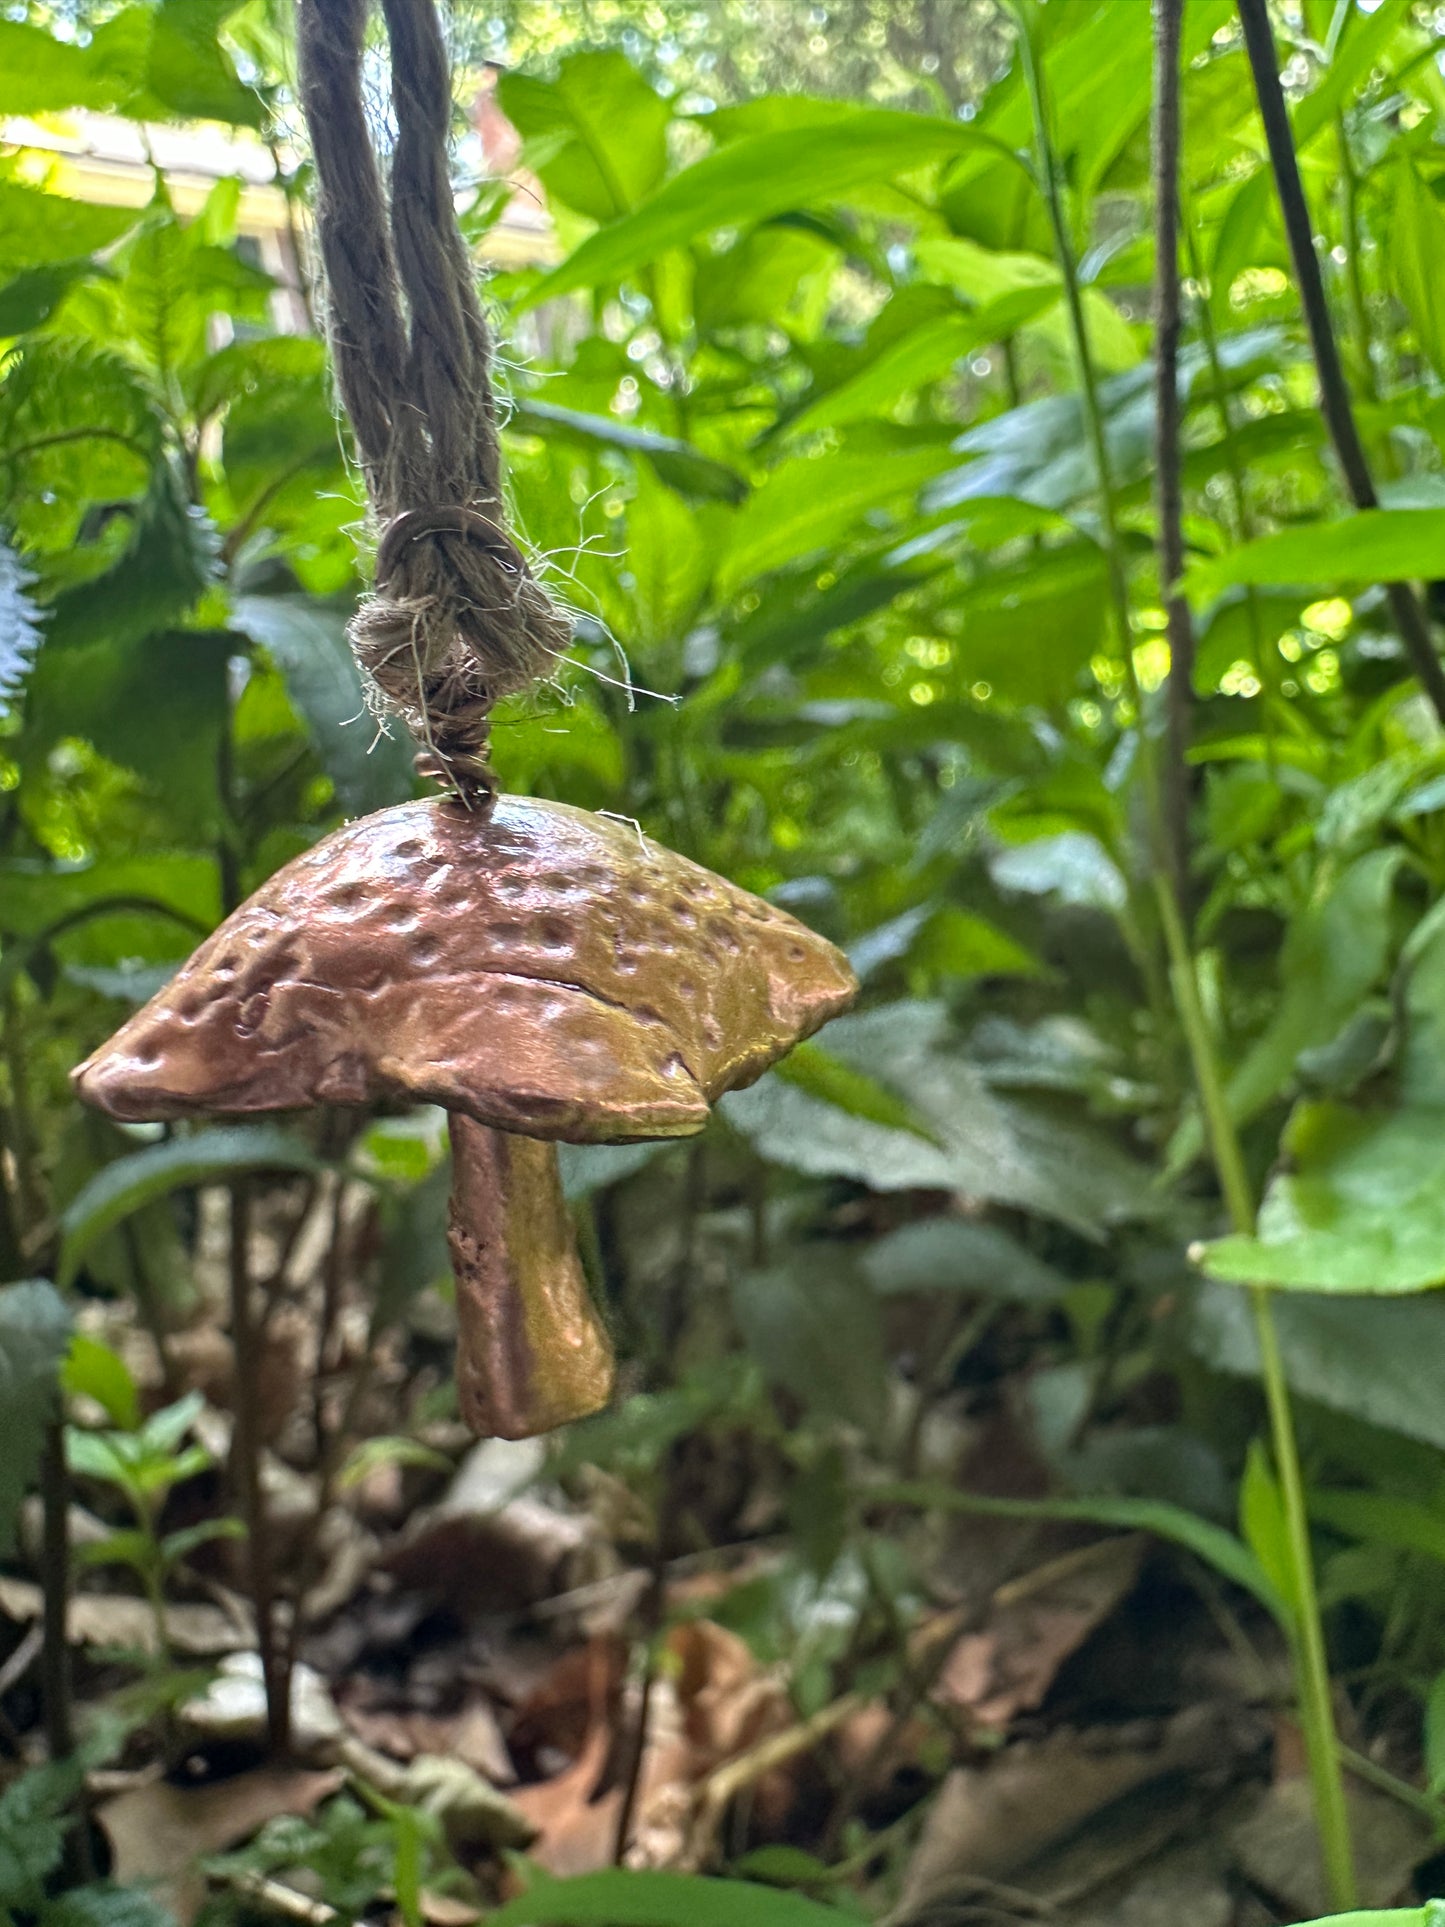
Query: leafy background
804 426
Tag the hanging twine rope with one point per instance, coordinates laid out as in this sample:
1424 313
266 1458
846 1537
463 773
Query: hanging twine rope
457 620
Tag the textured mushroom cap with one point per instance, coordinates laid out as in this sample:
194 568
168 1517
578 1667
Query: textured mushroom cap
542 969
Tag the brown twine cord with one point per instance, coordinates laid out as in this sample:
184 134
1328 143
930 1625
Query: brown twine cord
457 620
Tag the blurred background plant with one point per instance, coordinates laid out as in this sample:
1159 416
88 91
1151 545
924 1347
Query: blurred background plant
938 1558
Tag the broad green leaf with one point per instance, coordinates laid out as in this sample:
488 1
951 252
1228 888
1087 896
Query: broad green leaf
963 1255
813 1328
808 503
39 229
598 132
1217 1547
170 560
1040 452
1383 1518
93 1370
812 1069
209 1156
1333 953
28 299
34 1332
154 704
1417 246
929 353
1028 628
1372 1358
1071 865
191 72
1362 1211
306 638
42 74
1373 545
677 463
987 1146
621 1898
761 175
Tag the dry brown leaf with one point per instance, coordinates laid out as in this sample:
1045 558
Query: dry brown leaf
1034 1624
1277 1848
197 1630
576 1825
160 1833
988 1823
726 1702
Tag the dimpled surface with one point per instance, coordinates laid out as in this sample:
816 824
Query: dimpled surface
540 968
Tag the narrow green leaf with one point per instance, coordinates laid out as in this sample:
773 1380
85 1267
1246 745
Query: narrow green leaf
1217 1547
1417 247
1374 545
680 465
208 1157
759 176
620 1898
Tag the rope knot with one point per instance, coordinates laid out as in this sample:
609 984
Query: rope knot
457 620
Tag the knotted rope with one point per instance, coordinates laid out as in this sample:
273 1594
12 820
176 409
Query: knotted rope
457 620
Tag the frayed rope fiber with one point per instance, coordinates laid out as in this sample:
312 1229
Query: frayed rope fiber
457 620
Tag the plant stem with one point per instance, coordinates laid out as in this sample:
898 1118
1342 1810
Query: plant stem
246 1472
1335 402
1312 1671
1175 783
1049 181
55 1590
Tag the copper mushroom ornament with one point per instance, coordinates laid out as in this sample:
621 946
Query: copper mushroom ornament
541 972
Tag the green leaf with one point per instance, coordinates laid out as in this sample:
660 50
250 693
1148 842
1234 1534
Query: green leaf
38 229
34 1331
1368 1357
33 1824
1382 1518
1263 1525
306 639
813 1327
28 299
102 1904
1417 246
963 1255
597 134
1217 1547
1362 1211
40 74
680 465
207 1157
620 1898
1373 545
1334 951
191 72
987 1146
374 1454
93 1370
807 504
168 563
813 1070
759 176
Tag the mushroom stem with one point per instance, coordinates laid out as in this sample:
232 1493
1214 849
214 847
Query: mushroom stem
531 1351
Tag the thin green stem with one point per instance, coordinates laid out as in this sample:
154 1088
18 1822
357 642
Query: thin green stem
1052 186
1312 1671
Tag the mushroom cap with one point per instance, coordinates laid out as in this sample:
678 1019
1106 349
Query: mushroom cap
540 968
